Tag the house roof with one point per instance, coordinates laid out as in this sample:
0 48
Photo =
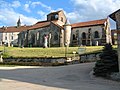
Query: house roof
14 29
89 23
112 16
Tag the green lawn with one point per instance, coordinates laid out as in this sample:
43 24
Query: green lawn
46 52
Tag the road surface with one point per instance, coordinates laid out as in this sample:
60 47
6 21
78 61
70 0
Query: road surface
71 77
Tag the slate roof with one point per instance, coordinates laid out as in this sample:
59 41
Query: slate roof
89 23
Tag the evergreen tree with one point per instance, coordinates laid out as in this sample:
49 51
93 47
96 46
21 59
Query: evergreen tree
108 62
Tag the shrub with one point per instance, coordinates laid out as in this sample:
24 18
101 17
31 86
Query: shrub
108 62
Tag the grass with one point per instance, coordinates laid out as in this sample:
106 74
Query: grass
8 65
47 52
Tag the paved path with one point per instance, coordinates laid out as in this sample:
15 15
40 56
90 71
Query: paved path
72 77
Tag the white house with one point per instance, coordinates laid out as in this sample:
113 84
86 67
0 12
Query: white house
9 35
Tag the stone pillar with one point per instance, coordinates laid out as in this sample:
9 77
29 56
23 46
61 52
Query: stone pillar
62 38
117 16
67 34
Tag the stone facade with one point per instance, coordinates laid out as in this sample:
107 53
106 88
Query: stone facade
114 36
116 17
62 33
91 34
36 37
56 29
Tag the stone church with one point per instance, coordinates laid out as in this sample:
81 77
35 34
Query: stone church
57 31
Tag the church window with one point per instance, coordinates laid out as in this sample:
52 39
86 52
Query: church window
74 38
83 35
62 19
96 34
56 17
32 38
52 17
56 36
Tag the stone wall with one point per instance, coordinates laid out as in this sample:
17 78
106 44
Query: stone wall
89 57
74 60
41 60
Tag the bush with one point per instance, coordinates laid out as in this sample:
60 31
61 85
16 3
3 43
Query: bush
108 62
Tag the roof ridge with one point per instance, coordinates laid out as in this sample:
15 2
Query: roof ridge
55 12
90 21
41 22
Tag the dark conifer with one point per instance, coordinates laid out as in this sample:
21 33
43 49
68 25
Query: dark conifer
108 62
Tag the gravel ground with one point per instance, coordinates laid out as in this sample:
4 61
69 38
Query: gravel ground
71 77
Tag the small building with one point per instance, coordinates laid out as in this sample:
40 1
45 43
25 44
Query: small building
90 33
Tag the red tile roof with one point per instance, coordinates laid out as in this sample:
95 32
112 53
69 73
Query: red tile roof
40 24
89 23
14 29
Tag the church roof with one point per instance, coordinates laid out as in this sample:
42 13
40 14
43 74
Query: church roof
43 24
40 24
89 23
13 29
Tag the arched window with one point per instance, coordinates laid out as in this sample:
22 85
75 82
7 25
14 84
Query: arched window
56 36
96 34
74 38
83 35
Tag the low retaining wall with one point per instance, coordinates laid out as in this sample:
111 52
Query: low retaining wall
42 60
50 61
89 57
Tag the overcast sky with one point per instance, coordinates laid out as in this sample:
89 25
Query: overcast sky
32 11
